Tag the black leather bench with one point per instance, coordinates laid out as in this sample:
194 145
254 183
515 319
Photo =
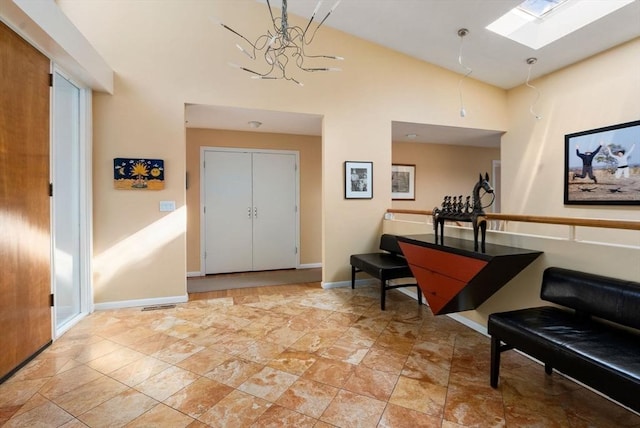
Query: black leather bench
593 337
386 265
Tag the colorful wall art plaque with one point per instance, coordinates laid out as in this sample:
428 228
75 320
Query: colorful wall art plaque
138 174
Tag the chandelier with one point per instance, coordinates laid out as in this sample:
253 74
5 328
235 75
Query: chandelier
284 45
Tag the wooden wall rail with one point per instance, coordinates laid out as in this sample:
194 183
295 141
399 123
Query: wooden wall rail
567 221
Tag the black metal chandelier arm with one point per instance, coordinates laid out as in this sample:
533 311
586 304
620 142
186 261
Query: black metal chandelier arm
322 22
271 13
239 35
284 44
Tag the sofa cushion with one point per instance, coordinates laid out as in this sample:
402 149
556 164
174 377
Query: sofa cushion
602 356
393 266
609 298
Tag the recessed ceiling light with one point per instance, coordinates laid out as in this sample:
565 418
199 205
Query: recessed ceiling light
411 136
254 124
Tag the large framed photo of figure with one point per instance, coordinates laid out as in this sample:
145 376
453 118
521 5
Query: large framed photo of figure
602 166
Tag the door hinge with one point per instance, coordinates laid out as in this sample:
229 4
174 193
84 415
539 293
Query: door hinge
50 189
296 250
51 300
51 80
204 209
205 254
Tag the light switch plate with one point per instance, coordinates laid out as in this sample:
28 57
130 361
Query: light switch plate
167 205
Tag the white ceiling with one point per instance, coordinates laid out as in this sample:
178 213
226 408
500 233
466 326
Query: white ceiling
428 30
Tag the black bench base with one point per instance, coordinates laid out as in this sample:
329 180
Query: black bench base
384 266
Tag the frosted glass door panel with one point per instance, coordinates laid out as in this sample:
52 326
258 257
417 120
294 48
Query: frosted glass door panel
66 205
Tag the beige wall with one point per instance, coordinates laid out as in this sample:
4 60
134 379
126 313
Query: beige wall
442 170
168 53
601 91
309 149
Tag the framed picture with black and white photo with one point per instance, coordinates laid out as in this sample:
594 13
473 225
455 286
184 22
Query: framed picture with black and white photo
403 182
602 166
358 180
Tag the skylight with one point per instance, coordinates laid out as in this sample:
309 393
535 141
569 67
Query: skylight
533 24
539 8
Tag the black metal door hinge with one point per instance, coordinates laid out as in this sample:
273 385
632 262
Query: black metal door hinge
51 80
50 189
51 300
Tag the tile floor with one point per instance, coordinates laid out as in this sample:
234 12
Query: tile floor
289 356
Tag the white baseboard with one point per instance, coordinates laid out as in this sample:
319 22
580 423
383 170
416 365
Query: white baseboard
339 284
471 324
310 265
302 266
413 294
141 302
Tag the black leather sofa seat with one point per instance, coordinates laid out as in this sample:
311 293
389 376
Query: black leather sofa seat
603 353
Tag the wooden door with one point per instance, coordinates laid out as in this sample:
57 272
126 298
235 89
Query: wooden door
274 202
25 281
229 212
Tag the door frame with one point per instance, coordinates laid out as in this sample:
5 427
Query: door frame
85 203
203 150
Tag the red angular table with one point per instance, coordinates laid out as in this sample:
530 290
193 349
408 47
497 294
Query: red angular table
454 277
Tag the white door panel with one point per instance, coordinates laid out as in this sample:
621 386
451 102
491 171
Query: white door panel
274 201
228 215
250 219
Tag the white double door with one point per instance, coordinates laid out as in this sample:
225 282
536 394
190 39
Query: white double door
250 210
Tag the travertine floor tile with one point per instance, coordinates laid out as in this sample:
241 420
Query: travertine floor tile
372 383
198 397
268 383
204 361
115 360
138 371
46 413
161 415
331 372
401 417
293 356
234 371
278 417
352 410
417 395
238 409
166 383
119 410
308 397
89 395
292 361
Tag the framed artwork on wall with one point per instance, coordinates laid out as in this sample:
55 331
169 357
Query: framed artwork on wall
602 166
403 182
358 180
138 174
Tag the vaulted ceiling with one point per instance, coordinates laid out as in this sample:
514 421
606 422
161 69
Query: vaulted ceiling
428 30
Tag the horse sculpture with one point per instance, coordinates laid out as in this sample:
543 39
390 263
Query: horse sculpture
454 209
